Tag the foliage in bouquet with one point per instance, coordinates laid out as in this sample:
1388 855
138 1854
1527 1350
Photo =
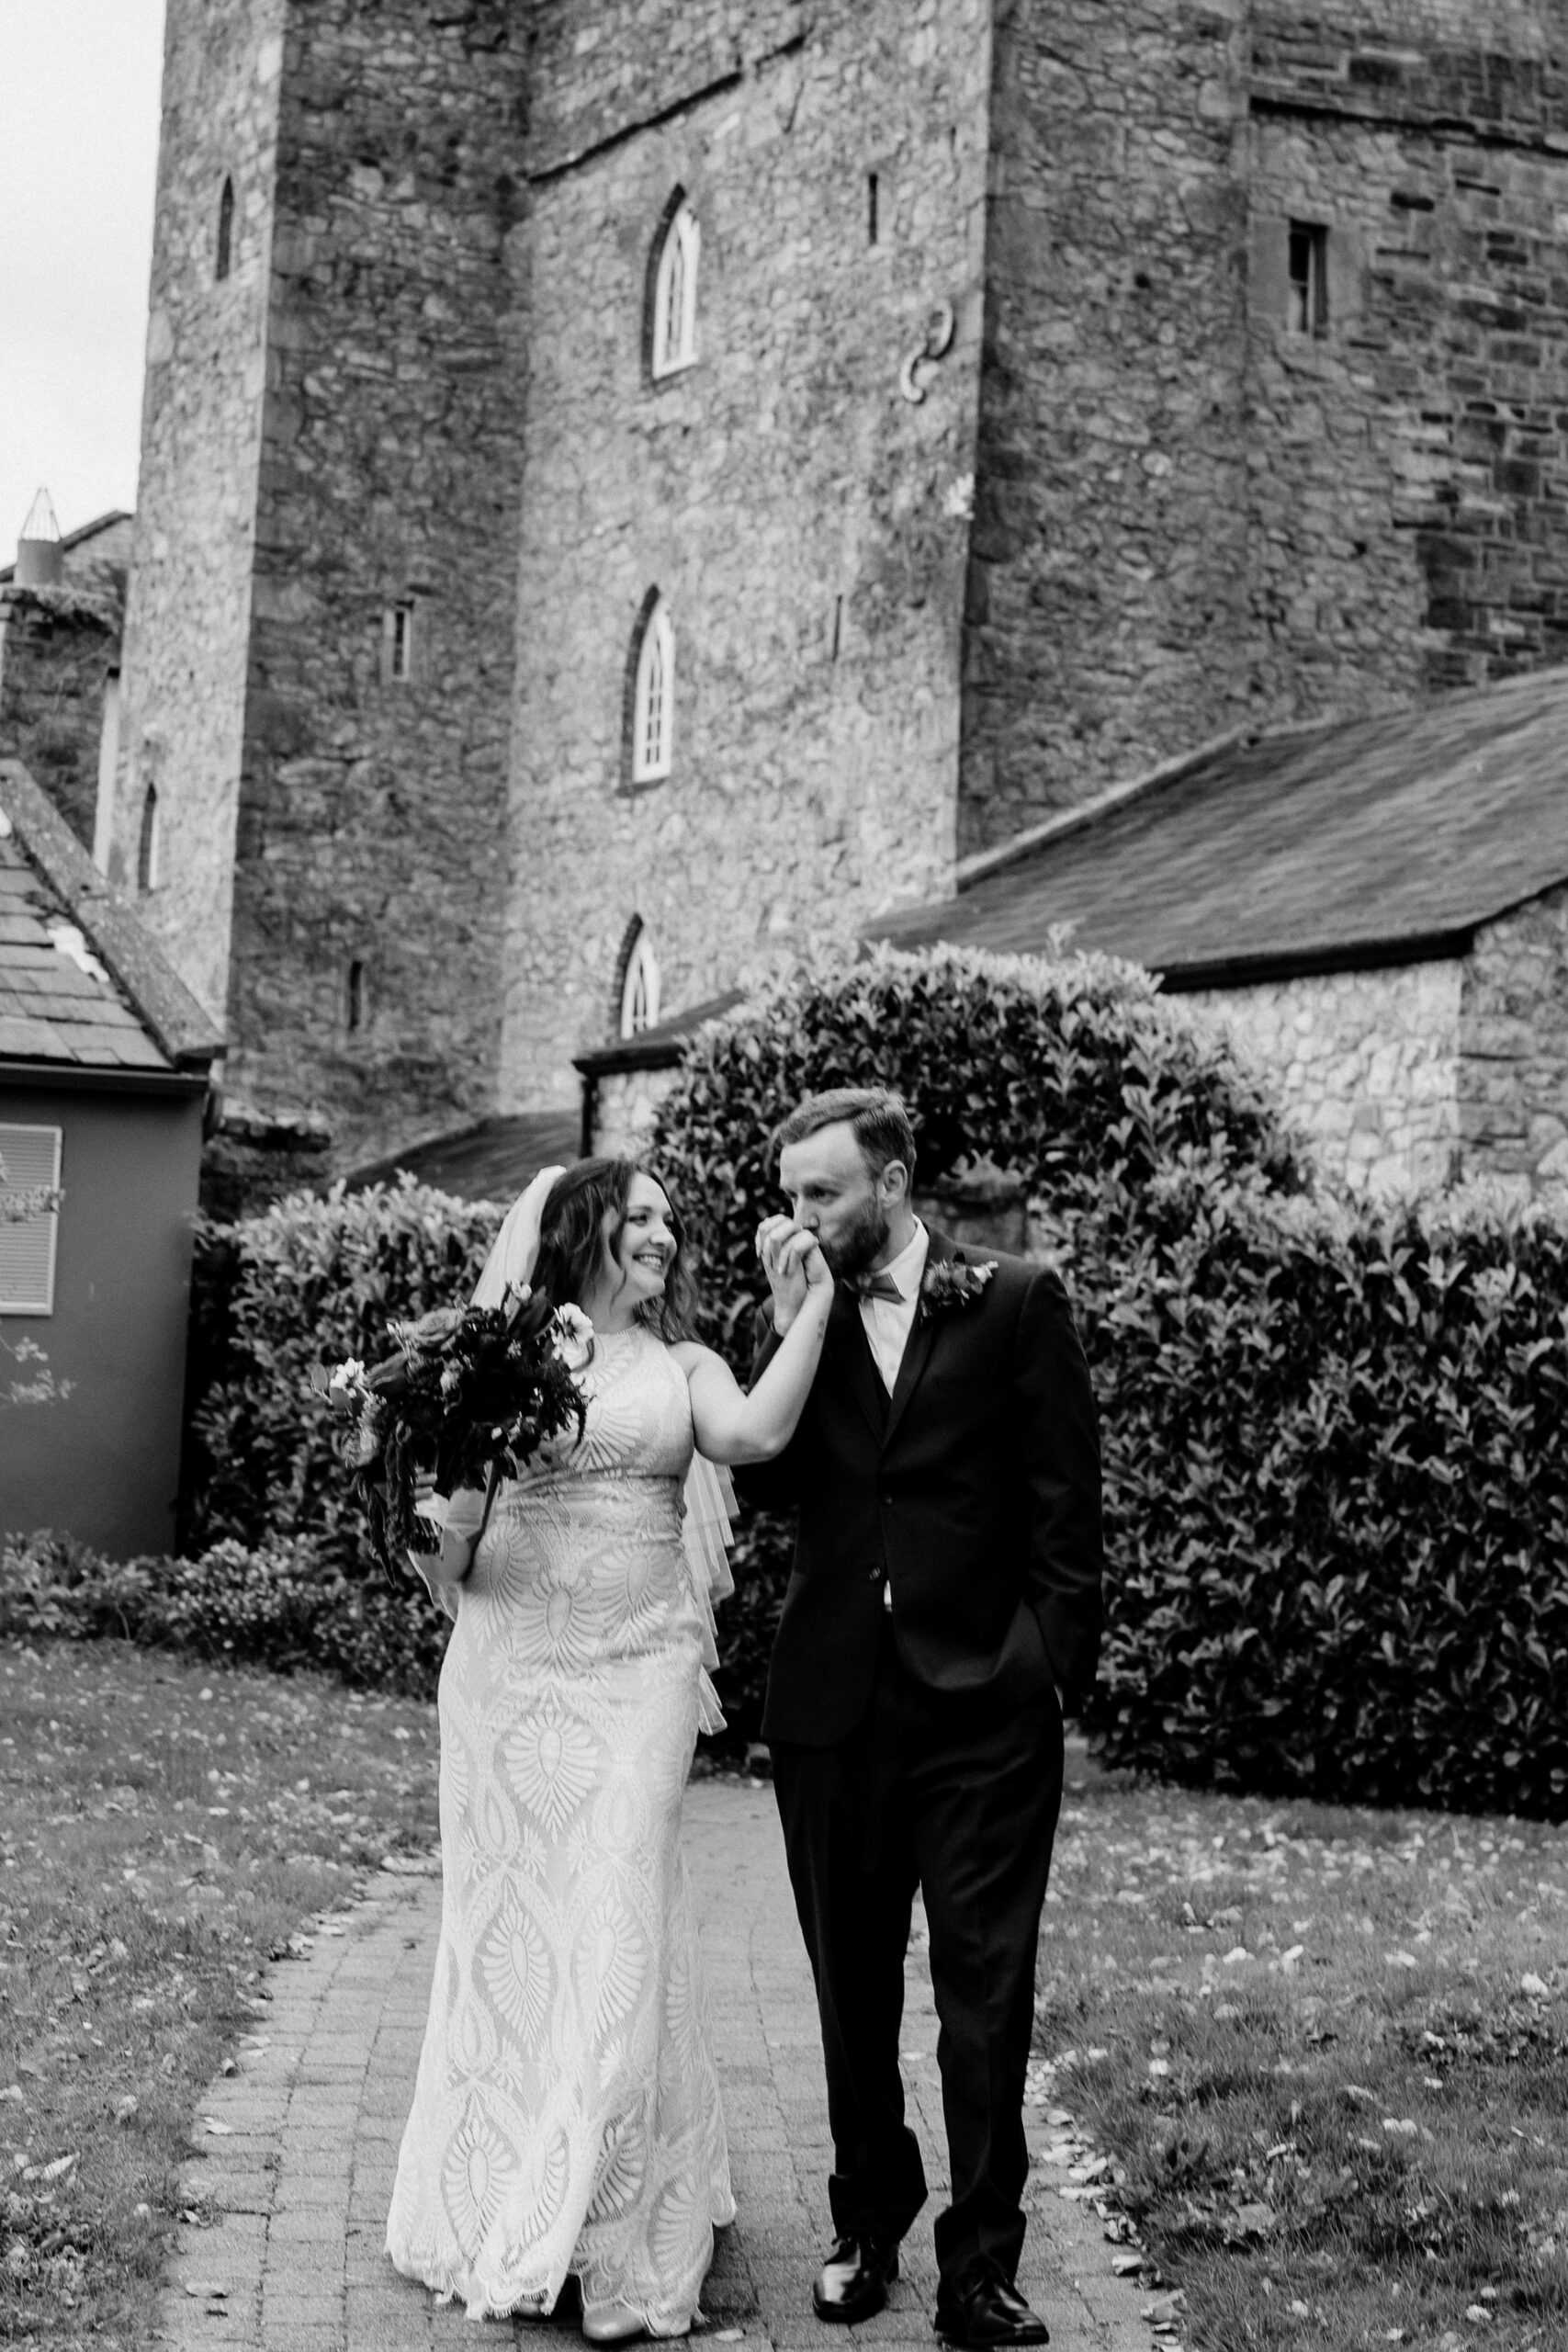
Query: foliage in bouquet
470 1392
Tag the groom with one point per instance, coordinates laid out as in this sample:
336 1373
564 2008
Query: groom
945 1598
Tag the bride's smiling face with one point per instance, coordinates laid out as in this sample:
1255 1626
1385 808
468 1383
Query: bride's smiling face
642 1256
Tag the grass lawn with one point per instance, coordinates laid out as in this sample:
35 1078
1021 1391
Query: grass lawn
165 1827
1327 2052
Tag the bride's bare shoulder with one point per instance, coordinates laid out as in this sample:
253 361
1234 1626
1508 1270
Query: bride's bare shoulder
691 1354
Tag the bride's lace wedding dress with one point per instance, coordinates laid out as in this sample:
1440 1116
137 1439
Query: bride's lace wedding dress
566 2116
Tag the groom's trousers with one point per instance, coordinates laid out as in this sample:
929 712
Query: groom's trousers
960 1796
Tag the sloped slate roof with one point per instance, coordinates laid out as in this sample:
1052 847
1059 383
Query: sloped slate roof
653 1048
1374 842
82 984
492 1162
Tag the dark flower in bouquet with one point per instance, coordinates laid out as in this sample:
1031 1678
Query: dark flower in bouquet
470 1391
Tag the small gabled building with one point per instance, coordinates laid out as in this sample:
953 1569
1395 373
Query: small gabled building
1377 911
106 1063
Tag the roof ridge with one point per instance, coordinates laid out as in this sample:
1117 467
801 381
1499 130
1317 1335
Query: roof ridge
972 869
1067 822
181 1026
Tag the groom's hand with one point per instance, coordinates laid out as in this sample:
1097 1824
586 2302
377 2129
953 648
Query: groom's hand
783 1247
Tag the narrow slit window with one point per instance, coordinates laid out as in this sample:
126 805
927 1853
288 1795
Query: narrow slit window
639 989
355 996
398 638
871 222
838 626
225 230
675 294
147 842
1308 299
29 1166
653 699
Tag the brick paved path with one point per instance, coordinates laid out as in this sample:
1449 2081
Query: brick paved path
298 2149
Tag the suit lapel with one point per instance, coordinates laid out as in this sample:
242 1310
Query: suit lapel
922 1337
851 1352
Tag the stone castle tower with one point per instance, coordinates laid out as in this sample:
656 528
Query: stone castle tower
632 486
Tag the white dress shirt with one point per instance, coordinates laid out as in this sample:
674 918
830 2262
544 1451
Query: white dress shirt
888 1324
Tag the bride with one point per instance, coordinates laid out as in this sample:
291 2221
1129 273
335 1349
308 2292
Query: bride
566 2118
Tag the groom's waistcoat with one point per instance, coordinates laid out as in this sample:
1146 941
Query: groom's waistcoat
972 1493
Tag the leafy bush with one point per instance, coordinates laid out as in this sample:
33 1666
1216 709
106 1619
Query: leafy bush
1337 1495
276 1606
1336 1501
1072 1074
310 1281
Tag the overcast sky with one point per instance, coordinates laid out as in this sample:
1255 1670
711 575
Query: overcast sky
79 85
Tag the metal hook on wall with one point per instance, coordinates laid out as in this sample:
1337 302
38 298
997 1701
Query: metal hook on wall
937 343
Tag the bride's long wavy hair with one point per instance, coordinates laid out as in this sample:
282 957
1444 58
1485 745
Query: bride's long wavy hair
571 1242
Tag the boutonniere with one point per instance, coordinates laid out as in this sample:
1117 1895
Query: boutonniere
950 1285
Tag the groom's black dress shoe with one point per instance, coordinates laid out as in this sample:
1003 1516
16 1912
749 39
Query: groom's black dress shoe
982 2311
854 2280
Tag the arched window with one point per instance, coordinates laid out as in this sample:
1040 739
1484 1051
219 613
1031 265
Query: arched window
639 983
147 842
225 230
674 339
653 696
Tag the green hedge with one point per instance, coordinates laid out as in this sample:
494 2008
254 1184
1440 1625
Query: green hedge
1334 1479
276 1606
1072 1074
310 1281
1337 1492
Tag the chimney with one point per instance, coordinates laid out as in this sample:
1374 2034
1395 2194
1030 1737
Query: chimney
40 560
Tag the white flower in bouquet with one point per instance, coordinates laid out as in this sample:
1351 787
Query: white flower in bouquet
573 1337
349 1381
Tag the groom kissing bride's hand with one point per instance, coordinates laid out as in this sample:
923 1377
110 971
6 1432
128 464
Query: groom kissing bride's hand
945 1592
784 1268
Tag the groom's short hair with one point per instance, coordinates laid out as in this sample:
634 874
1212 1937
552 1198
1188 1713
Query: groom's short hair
877 1117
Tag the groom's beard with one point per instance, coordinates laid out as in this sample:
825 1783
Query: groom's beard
857 1248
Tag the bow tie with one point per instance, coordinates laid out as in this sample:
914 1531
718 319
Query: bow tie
877 1286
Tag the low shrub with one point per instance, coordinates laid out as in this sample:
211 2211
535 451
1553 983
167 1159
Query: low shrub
1337 1499
1073 1074
1337 1495
278 1606
309 1281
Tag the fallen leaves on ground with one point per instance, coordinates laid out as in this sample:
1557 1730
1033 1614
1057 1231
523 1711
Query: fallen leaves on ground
165 1828
1327 2052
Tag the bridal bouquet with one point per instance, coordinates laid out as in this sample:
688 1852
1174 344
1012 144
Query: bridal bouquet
471 1391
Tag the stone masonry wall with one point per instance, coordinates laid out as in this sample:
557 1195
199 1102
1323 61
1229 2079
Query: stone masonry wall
188 611
57 648
372 828
805 521
625 1105
1406 1079
1367 1063
1513 1078
1406 525
1187 514
1105 615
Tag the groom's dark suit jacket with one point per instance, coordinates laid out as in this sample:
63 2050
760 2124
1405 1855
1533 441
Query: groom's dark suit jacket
973 1492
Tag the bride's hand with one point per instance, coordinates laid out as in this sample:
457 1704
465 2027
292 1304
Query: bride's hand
781 1245
814 1266
451 1564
